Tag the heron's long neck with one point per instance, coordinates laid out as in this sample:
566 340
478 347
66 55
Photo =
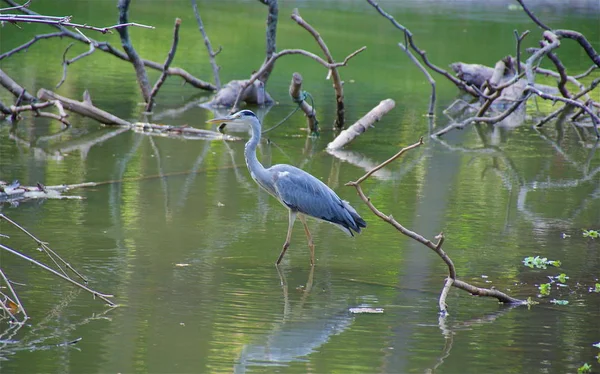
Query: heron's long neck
252 162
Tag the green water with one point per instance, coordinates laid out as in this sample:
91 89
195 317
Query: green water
511 195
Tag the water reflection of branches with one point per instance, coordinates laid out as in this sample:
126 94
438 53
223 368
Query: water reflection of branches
449 332
513 181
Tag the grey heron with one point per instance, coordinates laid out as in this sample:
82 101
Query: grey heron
303 194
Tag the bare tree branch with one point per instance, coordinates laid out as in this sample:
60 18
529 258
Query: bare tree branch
284 52
335 75
211 53
431 111
436 247
108 48
168 61
271 37
410 42
135 59
64 21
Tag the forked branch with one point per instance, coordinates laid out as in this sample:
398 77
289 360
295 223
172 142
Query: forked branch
436 247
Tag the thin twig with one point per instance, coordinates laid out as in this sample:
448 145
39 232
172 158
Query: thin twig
108 48
30 43
14 294
386 162
428 243
163 75
65 22
409 40
412 57
519 41
44 246
586 73
552 115
284 52
101 296
211 53
16 7
532 16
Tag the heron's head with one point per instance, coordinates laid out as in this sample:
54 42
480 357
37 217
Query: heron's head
242 117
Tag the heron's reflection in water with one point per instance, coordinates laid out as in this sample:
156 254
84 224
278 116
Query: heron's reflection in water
303 328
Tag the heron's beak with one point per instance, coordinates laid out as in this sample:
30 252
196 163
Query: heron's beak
223 120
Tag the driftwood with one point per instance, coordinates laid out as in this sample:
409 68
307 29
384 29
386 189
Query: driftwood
298 97
13 87
14 192
362 125
84 108
181 131
253 93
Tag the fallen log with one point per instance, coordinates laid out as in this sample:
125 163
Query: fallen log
348 135
82 107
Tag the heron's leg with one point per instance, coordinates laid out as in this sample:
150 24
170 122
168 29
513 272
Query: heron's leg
309 238
288 238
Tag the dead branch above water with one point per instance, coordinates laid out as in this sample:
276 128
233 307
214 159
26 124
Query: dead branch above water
105 47
335 75
451 280
299 98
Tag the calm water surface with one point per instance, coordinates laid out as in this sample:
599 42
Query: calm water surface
498 196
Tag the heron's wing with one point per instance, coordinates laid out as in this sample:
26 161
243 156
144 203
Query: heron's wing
306 194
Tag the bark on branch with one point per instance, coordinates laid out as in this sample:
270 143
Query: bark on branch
83 108
163 75
298 97
362 125
135 59
211 53
335 75
436 247
284 52
108 48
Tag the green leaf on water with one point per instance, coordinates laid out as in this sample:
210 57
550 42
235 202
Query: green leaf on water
545 289
597 289
539 262
562 278
591 234
584 369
